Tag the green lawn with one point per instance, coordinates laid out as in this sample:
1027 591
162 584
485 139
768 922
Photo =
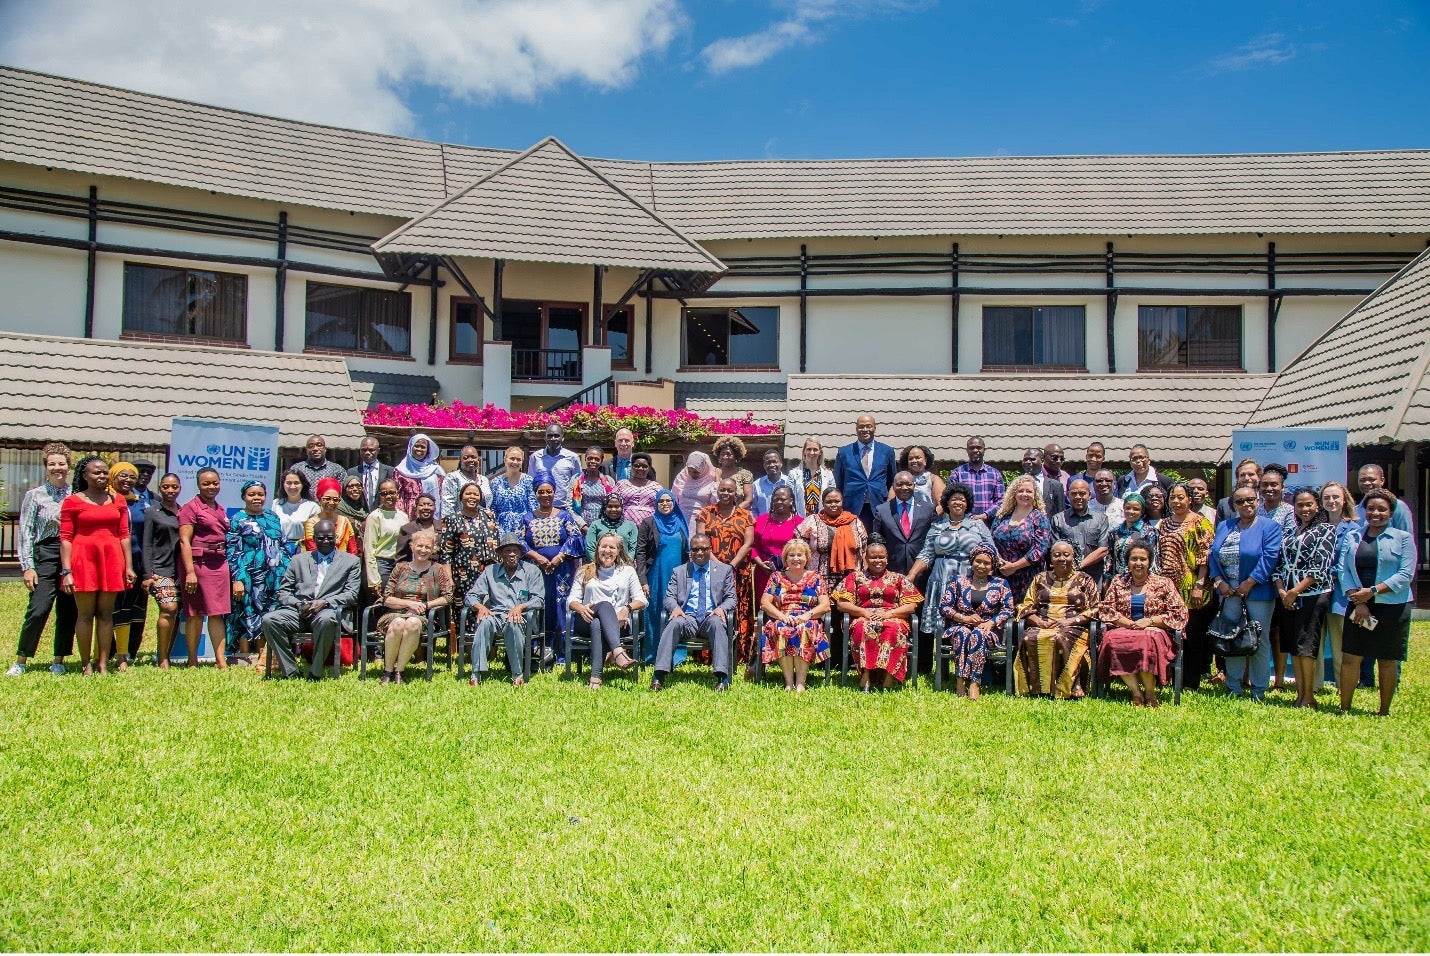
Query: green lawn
208 811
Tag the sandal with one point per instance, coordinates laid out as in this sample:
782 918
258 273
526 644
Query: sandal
595 683
621 659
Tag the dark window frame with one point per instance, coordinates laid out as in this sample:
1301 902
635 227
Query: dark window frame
627 311
464 358
365 335
190 278
543 307
1033 316
687 366
1185 351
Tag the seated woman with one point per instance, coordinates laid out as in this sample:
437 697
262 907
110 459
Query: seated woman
1375 574
414 588
1139 610
974 607
611 520
1058 607
880 604
795 602
950 542
603 596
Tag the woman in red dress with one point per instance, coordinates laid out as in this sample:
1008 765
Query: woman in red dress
731 530
879 603
203 552
96 564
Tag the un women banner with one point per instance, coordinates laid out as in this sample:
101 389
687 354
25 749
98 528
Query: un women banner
238 453
1312 456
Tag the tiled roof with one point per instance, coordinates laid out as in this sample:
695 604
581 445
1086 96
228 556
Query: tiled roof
393 388
1367 373
85 127
1180 418
64 389
549 205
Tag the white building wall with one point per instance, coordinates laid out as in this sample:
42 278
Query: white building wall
41 289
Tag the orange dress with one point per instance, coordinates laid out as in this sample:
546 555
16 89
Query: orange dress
99 540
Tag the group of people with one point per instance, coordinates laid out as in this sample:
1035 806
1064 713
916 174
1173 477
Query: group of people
734 567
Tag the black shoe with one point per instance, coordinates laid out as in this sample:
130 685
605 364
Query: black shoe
314 678
656 684
723 684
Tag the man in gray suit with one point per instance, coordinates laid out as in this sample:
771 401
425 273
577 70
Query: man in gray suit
317 594
699 600
500 599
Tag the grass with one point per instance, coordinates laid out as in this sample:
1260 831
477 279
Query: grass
208 811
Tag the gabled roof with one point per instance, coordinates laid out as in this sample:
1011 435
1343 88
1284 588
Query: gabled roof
54 388
1367 372
549 205
89 128
1180 418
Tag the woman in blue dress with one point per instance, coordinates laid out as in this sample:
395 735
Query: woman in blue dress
258 555
512 493
662 545
556 546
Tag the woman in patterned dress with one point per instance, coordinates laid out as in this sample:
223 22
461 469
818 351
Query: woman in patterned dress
330 497
795 603
1133 526
773 530
1184 544
468 543
731 530
1058 607
974 607
880 604
556 546
414 588
639 490
257 557
512 493
1021 533
589 490
1139 610
729 454
1303 589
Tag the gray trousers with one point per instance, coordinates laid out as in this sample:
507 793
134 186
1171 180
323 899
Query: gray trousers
282 624
513 636
679 630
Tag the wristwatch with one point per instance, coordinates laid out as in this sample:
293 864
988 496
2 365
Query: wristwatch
65 572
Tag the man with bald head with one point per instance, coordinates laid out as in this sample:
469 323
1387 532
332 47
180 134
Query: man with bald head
317 594
864 471
1054 480
903 522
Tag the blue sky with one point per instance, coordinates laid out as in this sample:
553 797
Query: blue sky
686 79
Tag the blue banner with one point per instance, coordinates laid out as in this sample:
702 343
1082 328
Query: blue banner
1312 456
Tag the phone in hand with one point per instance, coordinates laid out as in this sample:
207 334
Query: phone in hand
1371 623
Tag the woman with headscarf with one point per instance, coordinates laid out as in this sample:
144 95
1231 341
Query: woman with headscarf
257 557
330 497
419 472
694 486
1133 526
132 606
662 545
354 503
611 520
556 546
638 491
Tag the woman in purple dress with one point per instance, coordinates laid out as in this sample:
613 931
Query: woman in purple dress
203 551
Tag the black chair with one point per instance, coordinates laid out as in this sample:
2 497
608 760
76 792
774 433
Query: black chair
1002 655
630 639
466 634
306 636
371 641
828 661
913 680
1094 638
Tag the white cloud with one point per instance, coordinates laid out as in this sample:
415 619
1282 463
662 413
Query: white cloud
802 25
344 62
1268 49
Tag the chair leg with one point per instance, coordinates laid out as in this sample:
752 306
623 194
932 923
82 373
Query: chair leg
937 658
1177 677
914 664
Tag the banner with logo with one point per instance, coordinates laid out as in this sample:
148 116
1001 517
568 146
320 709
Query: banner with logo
1312 456
237 452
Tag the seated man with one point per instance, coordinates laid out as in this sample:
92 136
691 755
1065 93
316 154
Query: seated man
699 600
500 599
317 594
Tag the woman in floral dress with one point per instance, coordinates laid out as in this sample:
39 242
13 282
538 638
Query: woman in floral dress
557 547
975 607
257 557
731 530
880 604
795 603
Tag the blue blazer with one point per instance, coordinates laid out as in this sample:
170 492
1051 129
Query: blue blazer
857 489
1260 553
1395 563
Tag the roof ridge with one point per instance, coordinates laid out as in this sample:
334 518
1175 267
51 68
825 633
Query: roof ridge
1396 418
226 350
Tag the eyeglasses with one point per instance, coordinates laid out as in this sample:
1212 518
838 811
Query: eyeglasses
1054 457
1140 458
1243 501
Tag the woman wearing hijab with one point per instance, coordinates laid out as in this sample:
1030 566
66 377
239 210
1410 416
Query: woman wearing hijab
132 606
257 557
662 545
694 488
354 503
612 520
417 473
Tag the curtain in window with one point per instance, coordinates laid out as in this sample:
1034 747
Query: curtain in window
1007 336
1159 335
169 301
1063 337
1214 336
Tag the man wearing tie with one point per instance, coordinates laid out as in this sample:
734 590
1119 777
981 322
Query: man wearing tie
864 472
619 467
699 600
371 471
903 522
317 594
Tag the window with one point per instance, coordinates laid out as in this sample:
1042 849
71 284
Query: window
355 319
731 338
467 331
1189 336
619 336
1049 337
545 337
163 300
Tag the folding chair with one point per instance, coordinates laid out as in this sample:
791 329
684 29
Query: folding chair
466 634
630 639
1002 655
1094 638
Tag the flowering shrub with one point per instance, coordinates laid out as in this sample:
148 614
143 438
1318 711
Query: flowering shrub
652 426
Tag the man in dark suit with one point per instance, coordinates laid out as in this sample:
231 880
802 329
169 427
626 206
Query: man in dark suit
370 470
1055 499
699 600
864 472
317 594
903 522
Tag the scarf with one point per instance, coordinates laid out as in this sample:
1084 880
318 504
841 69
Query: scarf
696 490
843 545
602 525
425 469
673 523
120 468
354 511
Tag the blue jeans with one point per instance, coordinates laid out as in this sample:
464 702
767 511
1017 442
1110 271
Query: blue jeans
1258 666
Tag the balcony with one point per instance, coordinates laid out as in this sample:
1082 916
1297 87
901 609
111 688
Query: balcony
539 374
546 365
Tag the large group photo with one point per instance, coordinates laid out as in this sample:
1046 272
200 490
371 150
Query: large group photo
776 475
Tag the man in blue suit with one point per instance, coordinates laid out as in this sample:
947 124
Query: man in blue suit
864 472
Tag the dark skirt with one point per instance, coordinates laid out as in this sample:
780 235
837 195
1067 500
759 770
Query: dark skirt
1131 651
1390 641
1301 627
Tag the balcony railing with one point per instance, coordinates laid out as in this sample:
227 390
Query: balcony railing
546 365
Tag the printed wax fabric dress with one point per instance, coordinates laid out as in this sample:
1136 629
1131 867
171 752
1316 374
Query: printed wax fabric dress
968 645
807 640
557 533
884 648
258 555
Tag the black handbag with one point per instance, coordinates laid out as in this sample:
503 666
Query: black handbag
1235 638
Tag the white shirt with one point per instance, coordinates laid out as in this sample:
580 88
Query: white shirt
452 486
617 585
291 517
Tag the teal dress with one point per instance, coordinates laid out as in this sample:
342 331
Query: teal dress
257 557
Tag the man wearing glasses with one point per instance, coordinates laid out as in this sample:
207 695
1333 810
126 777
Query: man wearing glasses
1054 480
1142 476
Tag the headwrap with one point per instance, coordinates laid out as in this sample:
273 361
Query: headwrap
423 469
1130 498
326 485
602 524
692 494
843 545
673 523
120 468
355 511
982 548
542 477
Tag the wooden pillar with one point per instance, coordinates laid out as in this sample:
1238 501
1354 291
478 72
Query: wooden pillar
598 320
92 262
803 308
1273 307
1410 478
498 268
1111 298
280 315
953 318
649 322
432 317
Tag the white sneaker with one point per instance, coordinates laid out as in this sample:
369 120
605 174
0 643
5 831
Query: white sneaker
16 670
57 669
